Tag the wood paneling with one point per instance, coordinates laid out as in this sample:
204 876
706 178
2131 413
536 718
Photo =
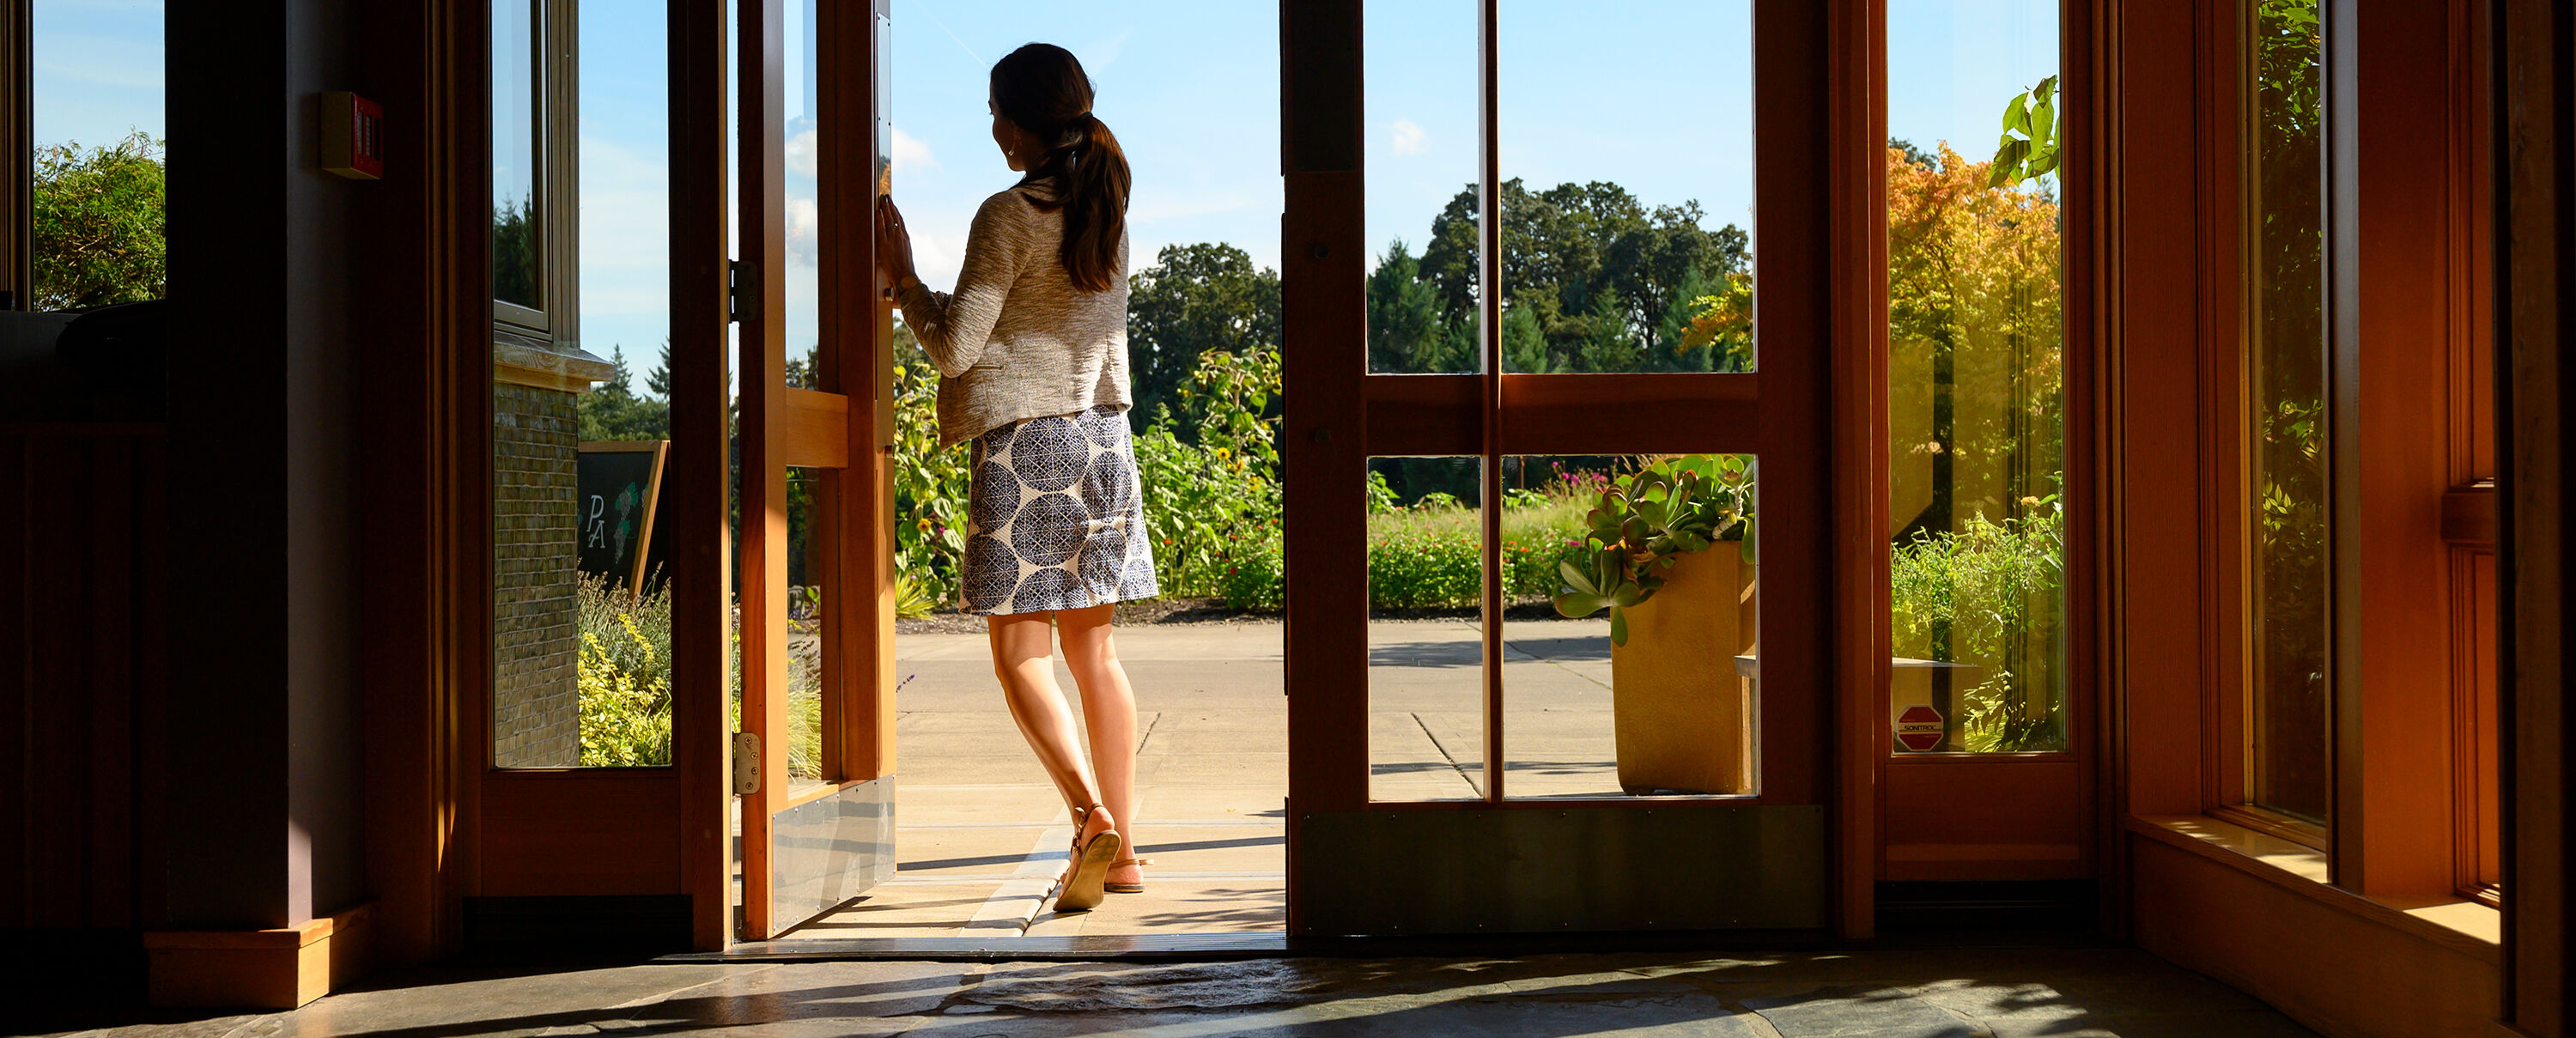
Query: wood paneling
2156 369
1852 67
2536 331
813 429
586 832
1952 818
425 433
2330 967
81 630
2392 817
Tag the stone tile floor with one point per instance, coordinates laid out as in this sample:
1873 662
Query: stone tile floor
981 836
1951 993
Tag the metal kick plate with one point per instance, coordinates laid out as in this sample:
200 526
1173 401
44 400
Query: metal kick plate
1540 870
831 850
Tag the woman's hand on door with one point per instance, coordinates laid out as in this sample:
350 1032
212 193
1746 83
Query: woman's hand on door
894 244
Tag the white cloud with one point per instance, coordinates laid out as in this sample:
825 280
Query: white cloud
1410 138
804 221
911 154
933 261
802 159
1101 54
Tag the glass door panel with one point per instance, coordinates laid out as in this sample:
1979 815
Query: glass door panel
1976 372
817 808
1426 541
1606 382
1627 191
1652 698
1421 175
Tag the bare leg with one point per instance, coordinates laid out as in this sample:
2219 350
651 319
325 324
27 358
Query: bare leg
1109 711
1024 658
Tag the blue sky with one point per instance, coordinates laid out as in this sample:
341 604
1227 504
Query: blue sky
1651 94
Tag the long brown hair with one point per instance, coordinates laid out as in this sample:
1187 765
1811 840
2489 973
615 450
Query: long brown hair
1041 88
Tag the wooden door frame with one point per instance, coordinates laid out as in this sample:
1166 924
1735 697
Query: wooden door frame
833 431
1328 436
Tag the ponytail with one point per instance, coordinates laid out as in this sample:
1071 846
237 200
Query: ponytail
1041 88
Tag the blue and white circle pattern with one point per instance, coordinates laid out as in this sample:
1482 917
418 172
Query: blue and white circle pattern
1056 518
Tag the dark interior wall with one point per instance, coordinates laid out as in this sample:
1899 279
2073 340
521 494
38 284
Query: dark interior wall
324 335
263 759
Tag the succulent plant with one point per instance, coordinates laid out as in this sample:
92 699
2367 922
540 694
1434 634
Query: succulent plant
1646 518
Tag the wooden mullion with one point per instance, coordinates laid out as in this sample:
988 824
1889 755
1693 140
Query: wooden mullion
17 154
762 473
697 517
1857 412
1489 314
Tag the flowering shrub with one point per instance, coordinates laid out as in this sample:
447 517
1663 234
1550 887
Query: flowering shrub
929 491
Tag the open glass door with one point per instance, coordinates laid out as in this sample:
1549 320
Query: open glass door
1671 771
813 763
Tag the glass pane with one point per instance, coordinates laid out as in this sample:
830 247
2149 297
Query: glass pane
1976 402
1426 644
516 240
95 114
583 611
805 646
1628 188
2286 430
1421 186
1655 697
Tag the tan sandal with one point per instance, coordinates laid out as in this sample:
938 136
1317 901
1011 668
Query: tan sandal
1081 890
1124 888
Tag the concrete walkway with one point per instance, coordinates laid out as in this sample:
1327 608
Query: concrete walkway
981 836
1950 993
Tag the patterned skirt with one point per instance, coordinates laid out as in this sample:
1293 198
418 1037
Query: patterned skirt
1055 518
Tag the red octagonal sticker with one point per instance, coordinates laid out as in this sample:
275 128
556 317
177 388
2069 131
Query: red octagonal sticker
1918 728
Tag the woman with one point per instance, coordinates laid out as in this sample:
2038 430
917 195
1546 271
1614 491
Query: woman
1032 357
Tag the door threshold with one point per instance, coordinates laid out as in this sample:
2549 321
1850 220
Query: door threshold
1259 944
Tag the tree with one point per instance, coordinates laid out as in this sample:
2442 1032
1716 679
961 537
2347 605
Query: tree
1406 332
1599 270
99 224
1193 299
613 411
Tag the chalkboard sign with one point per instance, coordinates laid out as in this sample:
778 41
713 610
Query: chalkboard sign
620 487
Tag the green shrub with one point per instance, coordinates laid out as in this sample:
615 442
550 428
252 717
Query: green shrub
623 674
1991 594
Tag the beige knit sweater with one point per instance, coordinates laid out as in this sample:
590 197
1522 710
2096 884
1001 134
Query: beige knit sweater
1017 340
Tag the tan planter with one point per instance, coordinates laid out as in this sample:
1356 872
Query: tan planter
1684 716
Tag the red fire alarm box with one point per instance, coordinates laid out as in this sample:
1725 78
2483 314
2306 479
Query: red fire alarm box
353 136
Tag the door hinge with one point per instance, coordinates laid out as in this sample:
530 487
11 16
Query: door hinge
746 763
742 291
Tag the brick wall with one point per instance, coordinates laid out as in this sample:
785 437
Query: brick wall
536 709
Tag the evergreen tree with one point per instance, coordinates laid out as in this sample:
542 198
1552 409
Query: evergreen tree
1405 330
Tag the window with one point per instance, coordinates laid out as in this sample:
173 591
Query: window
581 663
85 225
2289 684
1975 372
535 238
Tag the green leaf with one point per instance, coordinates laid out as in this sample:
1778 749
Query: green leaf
2017 117
1578 606
1618 626
1576 578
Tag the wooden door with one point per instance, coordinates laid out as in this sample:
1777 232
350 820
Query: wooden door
814 761
1758 858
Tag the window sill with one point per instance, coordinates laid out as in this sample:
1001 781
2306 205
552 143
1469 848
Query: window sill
2460 924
